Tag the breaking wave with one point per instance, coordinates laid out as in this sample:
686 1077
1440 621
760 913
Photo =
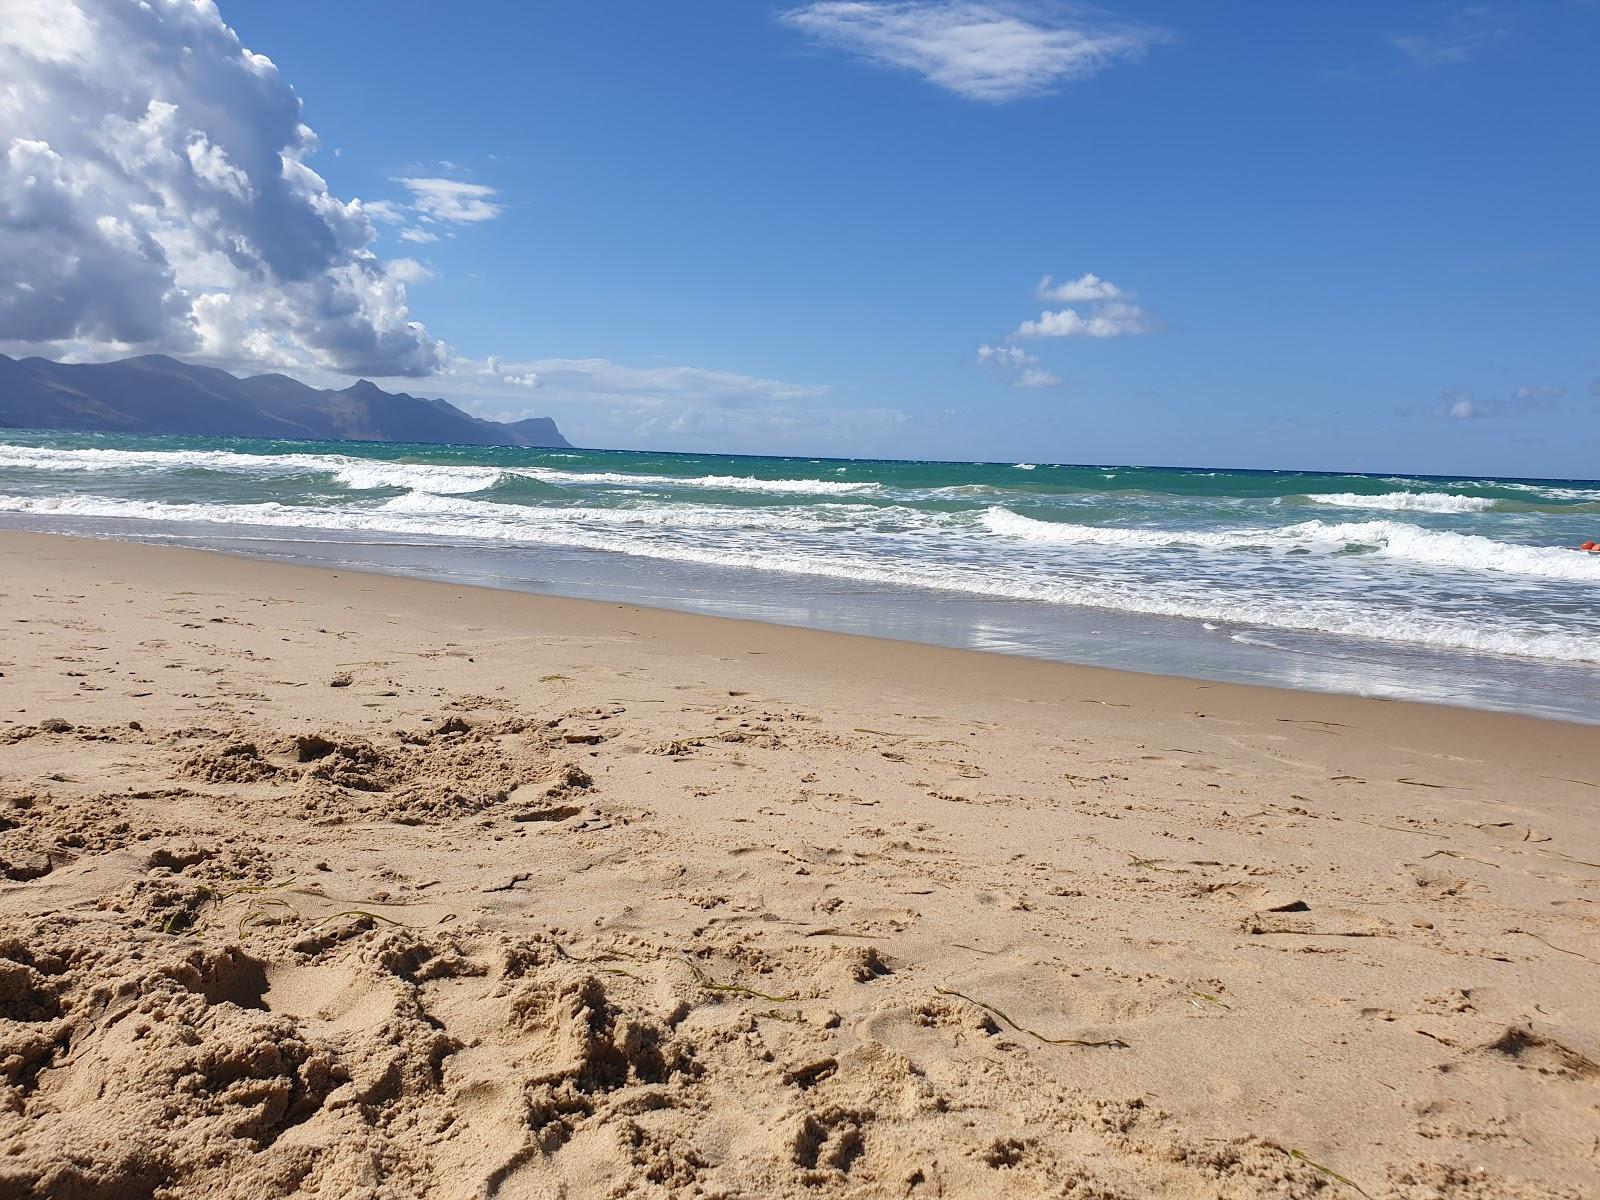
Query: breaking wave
1395 539
363 474
1437 502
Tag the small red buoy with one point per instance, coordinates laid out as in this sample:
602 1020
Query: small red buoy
1589 546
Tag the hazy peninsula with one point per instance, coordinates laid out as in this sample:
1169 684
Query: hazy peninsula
156 394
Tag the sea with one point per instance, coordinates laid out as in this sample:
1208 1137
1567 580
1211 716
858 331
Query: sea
1460 590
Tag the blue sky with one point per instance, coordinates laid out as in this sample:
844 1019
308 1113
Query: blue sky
1337 236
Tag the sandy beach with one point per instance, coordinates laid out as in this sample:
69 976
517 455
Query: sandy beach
316 883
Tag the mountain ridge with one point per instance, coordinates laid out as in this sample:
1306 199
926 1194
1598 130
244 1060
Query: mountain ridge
158 394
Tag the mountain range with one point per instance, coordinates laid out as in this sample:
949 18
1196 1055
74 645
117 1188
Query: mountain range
155 394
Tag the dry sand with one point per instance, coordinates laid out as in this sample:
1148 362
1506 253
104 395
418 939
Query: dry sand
330 884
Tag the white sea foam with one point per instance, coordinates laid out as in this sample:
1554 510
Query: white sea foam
1006 523
1437 502
1252 639
1541 491
841 518
725 483
459 518
1466 551
814 487
1393 539
367 473
47 458
352 472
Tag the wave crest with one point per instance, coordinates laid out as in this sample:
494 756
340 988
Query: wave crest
1437 502
1394 539
364 474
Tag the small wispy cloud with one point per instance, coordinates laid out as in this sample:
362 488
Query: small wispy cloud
601 380
494 371
1533 394
1459 404
1467 33
1036 377
452 201
408 270
385 211
1014 357
604 402
995 51
1027 373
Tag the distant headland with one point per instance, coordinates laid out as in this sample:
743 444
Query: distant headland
155 394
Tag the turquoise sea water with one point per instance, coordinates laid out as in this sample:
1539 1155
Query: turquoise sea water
1459 589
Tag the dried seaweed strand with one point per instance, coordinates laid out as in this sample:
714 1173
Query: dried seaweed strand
1329 1172
1149 864
711 985
1117 1043
1553 946
359 912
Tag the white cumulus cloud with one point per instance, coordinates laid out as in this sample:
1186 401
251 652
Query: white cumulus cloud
155 195
1112 319
991 50
1085 287
1106 311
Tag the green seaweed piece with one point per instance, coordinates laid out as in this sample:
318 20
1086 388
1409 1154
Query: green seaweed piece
1330 1173
1116 1043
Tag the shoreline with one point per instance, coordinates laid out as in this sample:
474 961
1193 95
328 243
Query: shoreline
1322 680
514 891
1466 591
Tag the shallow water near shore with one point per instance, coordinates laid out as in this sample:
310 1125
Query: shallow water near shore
1462 591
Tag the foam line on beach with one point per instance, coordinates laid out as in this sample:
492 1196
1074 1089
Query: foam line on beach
459 518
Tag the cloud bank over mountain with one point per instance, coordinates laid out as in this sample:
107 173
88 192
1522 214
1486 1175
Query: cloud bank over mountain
155 194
